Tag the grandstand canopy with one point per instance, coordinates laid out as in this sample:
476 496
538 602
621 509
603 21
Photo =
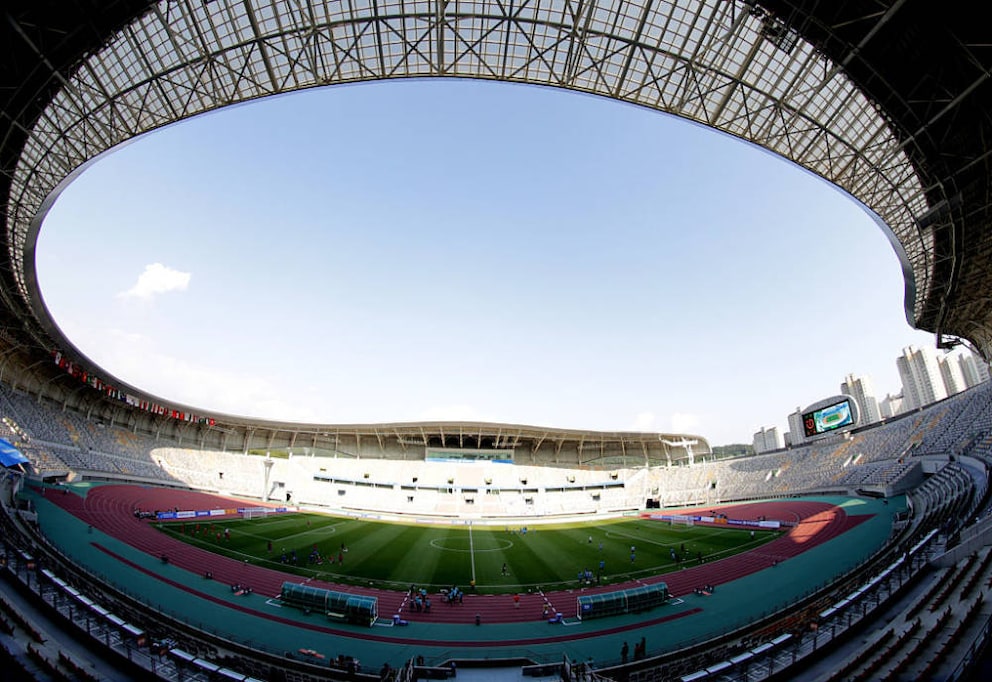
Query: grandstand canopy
888 100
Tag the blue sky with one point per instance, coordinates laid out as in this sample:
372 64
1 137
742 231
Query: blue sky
425 250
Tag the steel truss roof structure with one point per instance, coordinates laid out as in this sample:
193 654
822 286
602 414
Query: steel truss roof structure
888 100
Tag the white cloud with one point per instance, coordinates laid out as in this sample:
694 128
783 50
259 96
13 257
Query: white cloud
686 423
137 360
679 422
157 279
645 421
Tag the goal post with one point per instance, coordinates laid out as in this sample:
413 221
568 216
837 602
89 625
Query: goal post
254 513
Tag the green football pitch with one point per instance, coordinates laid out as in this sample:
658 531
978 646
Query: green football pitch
499 559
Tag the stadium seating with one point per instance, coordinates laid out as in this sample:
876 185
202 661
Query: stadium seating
389 480
951 441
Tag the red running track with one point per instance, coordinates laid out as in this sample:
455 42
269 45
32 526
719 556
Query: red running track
110 508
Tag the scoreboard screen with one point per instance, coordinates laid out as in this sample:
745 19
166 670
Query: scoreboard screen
829 418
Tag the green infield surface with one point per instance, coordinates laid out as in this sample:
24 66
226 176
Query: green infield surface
500 559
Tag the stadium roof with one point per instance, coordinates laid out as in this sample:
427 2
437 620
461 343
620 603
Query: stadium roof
496 436
889 101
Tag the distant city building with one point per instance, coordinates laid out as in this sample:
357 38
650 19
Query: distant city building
860 388
950 372
890 405
927 376
973 368
768 439
922 382
797 435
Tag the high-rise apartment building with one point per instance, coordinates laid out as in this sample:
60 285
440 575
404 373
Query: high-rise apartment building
767 439
973 368
950 372
922 382
890 406
797 434
860 388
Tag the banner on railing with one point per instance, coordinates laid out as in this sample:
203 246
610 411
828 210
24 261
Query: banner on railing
716 520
